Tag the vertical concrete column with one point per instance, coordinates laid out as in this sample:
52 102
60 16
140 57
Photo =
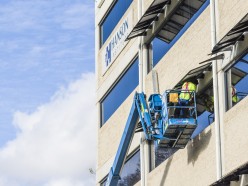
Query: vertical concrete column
229 88
150 56
222 93
141 89
147 144
145 63
244 180
222 110
213 10
150 66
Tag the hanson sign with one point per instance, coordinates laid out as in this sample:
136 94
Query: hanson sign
116 42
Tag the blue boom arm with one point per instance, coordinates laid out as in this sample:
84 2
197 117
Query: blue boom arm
139 110
156 124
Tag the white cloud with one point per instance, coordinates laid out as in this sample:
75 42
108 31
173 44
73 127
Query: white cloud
56 144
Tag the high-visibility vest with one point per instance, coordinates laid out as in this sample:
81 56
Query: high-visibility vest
235 98
187 86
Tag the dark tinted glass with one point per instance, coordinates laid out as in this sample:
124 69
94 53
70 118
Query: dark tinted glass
205 109
203 121
160 48
161 154
113 18
120 92
130 173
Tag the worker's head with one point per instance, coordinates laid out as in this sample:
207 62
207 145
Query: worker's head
192 80
195 81
233 90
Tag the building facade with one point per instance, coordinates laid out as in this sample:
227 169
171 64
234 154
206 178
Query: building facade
154 45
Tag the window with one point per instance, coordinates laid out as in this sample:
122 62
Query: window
113 17
122 89
162 154
203 121
205 109
237 86
160 48
130 173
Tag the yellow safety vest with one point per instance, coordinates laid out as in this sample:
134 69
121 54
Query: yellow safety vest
187 86
235 98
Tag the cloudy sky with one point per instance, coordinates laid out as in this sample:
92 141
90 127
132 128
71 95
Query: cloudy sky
47 113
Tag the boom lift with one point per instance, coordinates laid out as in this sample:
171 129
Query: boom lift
158 123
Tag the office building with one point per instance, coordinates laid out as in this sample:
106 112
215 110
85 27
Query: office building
153 46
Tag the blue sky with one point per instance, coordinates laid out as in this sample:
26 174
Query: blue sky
44 45
47 83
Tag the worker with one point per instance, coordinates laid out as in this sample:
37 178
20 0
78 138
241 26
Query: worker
209 100
235 98
186 97
209 104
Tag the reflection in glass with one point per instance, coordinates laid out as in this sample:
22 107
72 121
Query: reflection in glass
113 18
161 154
120 92
130 173
204 120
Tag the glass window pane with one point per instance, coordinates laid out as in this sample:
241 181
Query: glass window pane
120 92
113 18
203 120
239 80
162 154
205 109
130 173
160 48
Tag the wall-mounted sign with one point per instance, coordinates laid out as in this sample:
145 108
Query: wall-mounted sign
99 3
117 42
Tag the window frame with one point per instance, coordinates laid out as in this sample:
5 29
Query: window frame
122 74
180 33
228 82
111 7
102 21
136 150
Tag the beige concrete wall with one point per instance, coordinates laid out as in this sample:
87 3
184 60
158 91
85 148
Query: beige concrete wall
109 137
192 166
105 81
195 165
234 128
186 167
110 133
235 136
192 48
124 58
230 13
146 4
101 12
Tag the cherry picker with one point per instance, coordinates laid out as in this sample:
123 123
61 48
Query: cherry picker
159 124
